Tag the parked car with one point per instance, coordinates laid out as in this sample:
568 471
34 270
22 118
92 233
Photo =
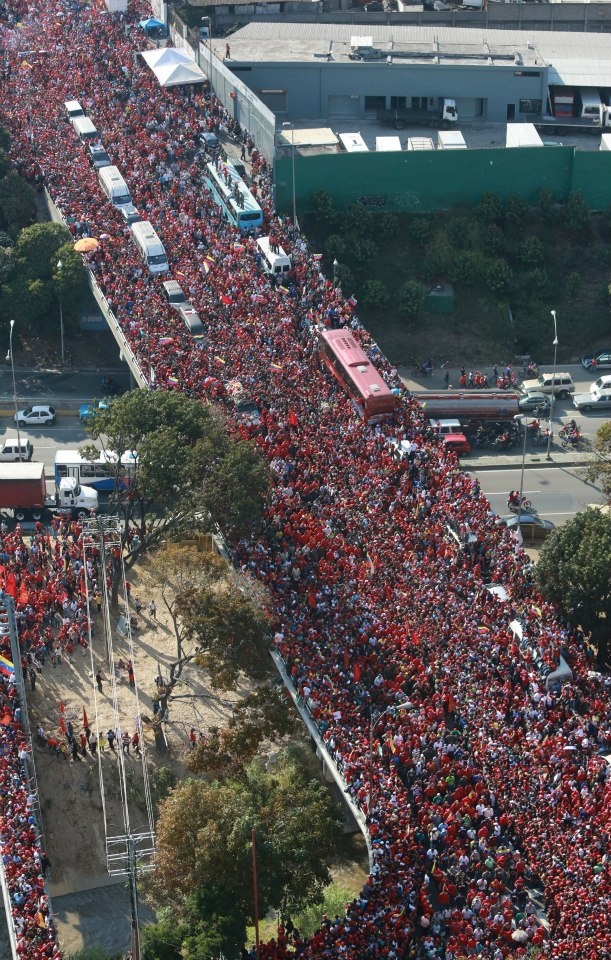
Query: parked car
563 384
597 361
209 140
129 213
597 400
456 442
35 416
86 410
98 157
532 528
535 401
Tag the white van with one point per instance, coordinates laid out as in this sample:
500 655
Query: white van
150 247
114 186
10 451
85 129
73 109
278 264
442 428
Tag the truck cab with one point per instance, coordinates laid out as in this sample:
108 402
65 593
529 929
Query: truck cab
73 499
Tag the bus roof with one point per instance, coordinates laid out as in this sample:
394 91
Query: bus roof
356 363
73 456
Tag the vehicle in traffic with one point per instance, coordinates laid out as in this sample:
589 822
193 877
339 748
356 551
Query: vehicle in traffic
103 473
532 528
177 299
442 114
442 428
344 358
233 196
129 214
35 416
209 140
593 400
597 361
23 491
150 247
110 388
562 384
603 383
469 404
535 402
13 451
457 442
98 158
86 410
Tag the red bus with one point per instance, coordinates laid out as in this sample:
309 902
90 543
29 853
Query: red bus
348 363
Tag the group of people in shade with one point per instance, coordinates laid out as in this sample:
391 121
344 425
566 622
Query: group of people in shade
486 794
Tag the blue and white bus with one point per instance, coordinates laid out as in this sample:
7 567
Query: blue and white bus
232 194
101 473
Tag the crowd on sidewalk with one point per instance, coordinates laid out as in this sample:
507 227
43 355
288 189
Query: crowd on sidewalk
486 795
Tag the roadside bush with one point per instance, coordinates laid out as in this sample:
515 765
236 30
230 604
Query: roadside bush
531 251
547 206
411 298
498 275
517 211
575 214
374 294
490 208
439 258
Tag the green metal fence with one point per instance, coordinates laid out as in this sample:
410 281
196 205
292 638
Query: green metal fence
437 179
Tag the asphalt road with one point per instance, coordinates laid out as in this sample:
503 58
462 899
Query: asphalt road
556 493
51 385
66 433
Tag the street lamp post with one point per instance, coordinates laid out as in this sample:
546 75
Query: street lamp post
553 397
335 266
10 354
61 314
519 418
289 123
374 719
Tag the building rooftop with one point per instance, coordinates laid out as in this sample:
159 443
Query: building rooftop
574 59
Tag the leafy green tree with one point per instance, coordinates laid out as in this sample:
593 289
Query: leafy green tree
470 269
228 632
262 715
188 471
575 213
490 208
600 470
163 940
573 285
237 487
358 222
498 275
531 251
361 251
38 246
69 280
517 211
411 298
324 209
374 294
17 202
336 899
493 240
421 228
573 572
439 260
335 246
387 225
547 206
204 832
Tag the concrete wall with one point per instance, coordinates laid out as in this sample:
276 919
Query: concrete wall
310 85
239 101
575 17
432 180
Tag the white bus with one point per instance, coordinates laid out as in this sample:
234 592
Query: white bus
101 473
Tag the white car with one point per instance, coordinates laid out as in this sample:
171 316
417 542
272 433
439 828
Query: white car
35 416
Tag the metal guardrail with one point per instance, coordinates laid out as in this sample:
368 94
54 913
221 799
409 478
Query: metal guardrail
325 755
126 351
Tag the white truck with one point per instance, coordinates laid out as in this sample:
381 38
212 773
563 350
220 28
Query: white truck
23 490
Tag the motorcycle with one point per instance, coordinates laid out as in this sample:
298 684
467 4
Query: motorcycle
514 503
570 430
571 440
110 387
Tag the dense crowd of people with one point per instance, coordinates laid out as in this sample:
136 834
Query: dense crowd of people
486 795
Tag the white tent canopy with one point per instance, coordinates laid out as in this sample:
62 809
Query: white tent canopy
165 55
174 75
173 66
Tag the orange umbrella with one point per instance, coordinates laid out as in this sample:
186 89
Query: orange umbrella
86 245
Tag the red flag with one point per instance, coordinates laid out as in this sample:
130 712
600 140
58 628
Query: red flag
61 706
226 299
85 720
357 672
293 421
62 725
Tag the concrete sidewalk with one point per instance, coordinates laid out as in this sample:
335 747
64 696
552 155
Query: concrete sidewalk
513 460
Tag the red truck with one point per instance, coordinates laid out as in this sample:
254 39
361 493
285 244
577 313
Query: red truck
23 489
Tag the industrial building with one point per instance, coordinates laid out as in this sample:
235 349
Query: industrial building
327 72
